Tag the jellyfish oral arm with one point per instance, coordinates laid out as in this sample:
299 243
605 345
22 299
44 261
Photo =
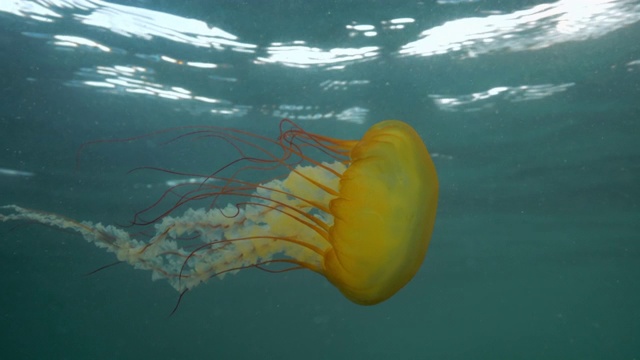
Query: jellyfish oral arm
273 227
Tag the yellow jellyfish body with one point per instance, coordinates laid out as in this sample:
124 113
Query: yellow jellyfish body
384 215
363 220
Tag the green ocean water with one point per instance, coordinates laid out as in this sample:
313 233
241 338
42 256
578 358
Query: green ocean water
531 111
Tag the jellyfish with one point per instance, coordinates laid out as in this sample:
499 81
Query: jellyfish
362 217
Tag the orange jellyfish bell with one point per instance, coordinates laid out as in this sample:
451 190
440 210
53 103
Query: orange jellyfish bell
363 220
384 214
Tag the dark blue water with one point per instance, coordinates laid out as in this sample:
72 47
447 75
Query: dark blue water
530 110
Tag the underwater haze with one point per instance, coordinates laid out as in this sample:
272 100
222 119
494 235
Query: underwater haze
530 110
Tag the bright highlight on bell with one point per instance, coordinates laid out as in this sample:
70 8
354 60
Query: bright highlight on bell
362 220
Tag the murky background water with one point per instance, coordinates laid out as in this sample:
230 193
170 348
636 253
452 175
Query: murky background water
531 110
